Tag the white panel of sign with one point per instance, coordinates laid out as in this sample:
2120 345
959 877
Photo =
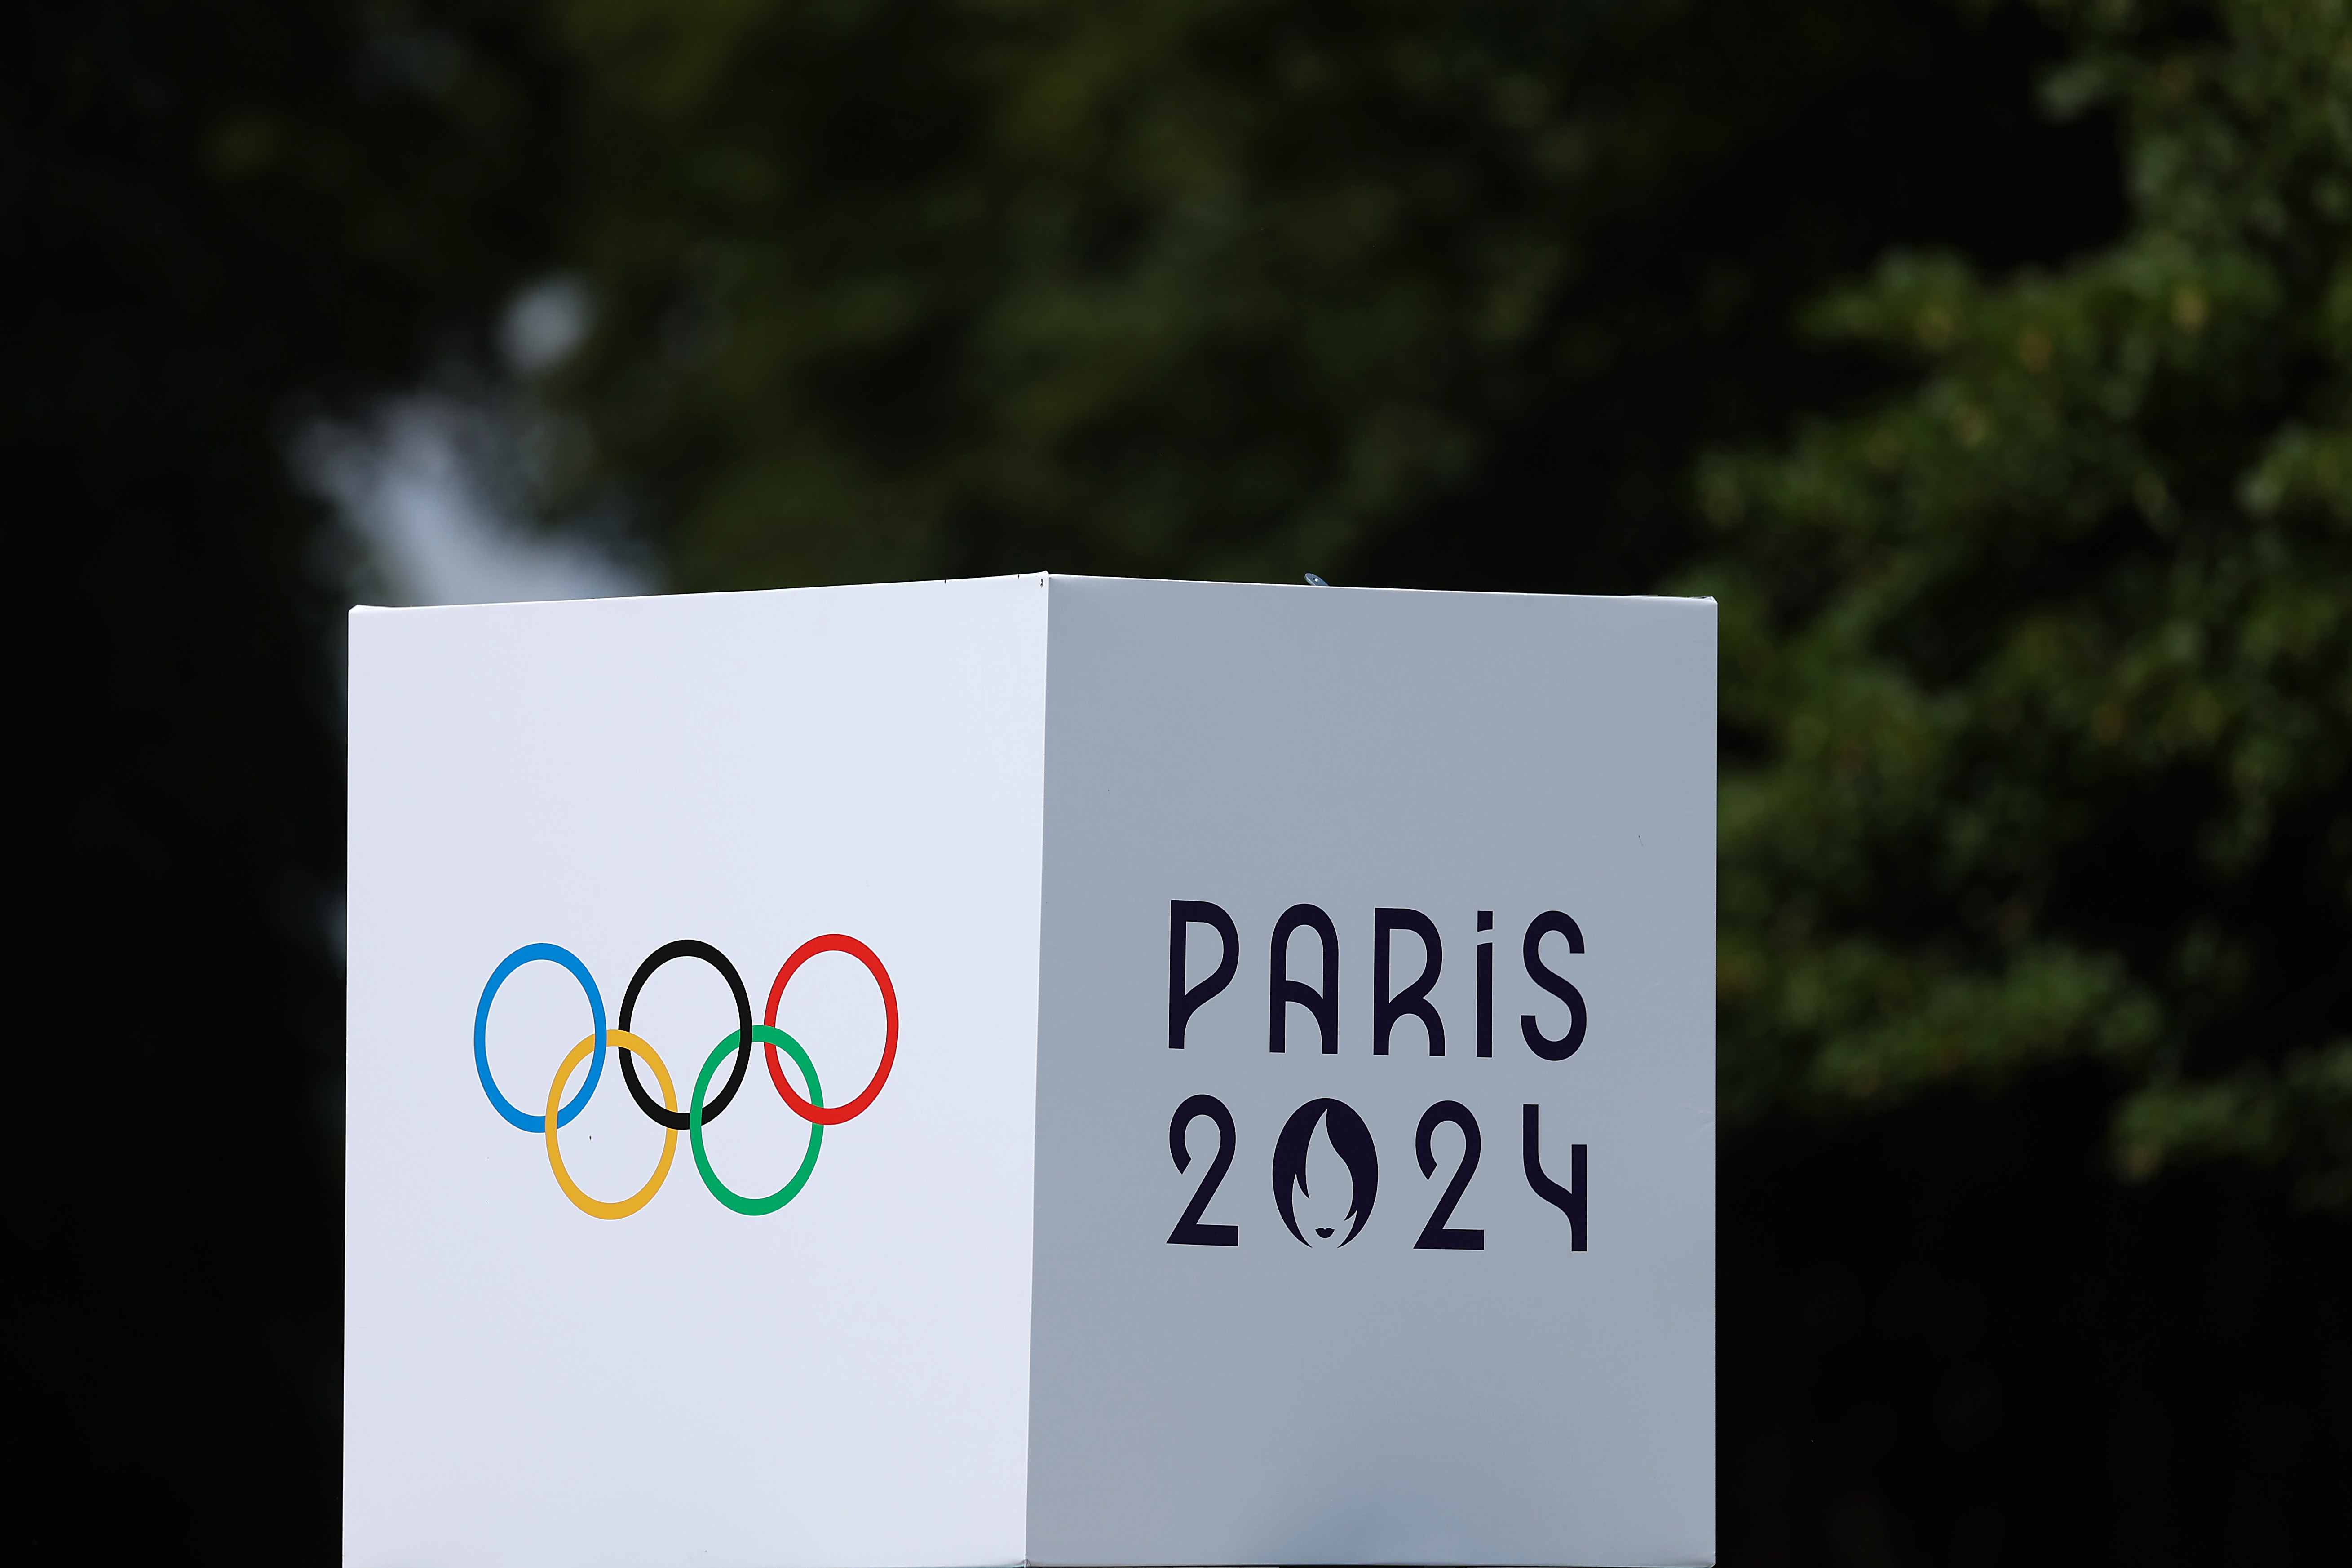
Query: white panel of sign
1376 1081
1060 1070
842 1379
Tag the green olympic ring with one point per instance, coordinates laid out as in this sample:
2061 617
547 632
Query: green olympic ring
762 1033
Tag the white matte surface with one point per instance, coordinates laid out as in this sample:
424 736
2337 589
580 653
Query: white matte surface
1276 1402
968 1340
843 1382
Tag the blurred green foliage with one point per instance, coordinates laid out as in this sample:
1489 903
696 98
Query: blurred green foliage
1241 288
2041 673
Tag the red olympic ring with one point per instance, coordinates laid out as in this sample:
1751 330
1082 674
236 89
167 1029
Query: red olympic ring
834 1116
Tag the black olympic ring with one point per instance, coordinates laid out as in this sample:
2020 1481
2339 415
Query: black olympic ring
687 948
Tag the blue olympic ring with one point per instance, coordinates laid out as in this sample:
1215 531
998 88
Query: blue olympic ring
514 961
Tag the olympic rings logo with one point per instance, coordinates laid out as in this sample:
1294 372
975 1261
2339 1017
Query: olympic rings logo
700 1112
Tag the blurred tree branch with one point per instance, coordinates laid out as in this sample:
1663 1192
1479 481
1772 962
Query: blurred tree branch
2044 667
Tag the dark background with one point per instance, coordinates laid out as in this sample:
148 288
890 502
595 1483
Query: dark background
2084 1302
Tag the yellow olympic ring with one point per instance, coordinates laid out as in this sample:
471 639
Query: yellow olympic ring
643 1194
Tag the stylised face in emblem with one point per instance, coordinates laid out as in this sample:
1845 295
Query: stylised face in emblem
1352 1141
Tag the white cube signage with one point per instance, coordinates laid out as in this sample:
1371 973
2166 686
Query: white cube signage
1032 1069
